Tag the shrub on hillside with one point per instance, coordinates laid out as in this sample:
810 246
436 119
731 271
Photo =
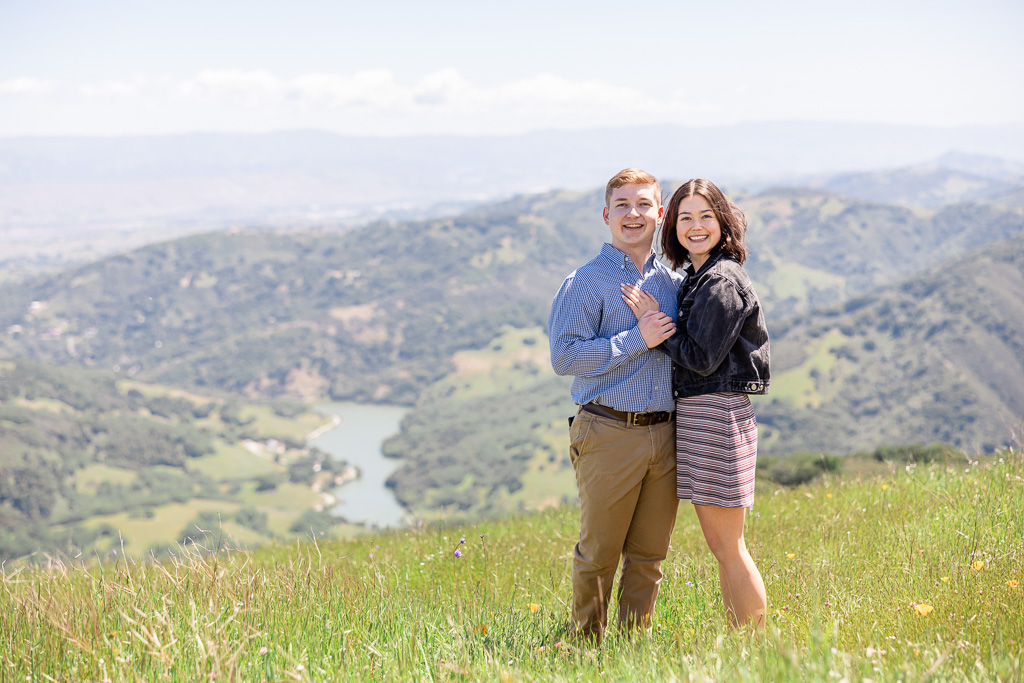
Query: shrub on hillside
798 468
918 453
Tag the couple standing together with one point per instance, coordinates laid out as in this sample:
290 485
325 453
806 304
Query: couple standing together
663 364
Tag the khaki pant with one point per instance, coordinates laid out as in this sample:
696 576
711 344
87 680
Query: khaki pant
626 478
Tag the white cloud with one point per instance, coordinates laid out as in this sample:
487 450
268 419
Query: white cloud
27 86
234 85
440 92
112 88
442 87
374 89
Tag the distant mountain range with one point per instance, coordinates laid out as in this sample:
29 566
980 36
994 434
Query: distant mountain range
70 200
310 177
953 178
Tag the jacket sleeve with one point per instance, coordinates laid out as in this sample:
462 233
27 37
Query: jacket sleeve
574 327
711 328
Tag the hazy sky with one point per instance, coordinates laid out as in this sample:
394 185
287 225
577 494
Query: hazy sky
396 68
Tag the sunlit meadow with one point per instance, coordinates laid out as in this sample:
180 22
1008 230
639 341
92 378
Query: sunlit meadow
913 575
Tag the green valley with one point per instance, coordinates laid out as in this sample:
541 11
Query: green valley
89 463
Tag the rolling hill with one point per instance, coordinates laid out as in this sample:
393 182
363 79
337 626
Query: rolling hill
447 315
937 358
376 313
929 186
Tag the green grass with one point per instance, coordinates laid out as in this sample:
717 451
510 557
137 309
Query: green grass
513 360
164 526
49 404
234 461
795 280
284 496
851 566
267 422
88 479
152 389
801 386
547 483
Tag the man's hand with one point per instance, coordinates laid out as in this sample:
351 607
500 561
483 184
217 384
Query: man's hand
655 327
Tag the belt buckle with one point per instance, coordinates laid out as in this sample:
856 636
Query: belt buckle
633 417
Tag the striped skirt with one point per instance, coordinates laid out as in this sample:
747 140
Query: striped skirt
716 450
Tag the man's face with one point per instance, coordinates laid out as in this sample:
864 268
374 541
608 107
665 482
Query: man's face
632 214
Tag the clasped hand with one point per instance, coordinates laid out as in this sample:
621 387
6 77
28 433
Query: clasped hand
655 327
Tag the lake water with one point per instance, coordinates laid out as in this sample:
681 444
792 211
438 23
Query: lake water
357 440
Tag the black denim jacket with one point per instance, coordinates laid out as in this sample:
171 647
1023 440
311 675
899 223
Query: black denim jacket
721 342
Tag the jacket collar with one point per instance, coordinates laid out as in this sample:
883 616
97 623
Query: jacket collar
712 260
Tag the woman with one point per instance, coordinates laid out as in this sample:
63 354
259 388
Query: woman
719 354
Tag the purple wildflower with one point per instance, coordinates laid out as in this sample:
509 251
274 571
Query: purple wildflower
462 540
458 553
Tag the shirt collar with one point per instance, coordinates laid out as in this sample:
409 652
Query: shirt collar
620 258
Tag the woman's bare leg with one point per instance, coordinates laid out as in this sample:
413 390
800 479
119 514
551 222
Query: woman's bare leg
742 587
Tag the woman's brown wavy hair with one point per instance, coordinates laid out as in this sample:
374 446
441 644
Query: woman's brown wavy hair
730 218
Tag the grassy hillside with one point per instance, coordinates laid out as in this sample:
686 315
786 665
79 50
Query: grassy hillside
915 574
93 464
938 358
811 249
489 438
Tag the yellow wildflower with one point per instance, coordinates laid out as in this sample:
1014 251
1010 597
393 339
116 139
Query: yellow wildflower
828 495
534 608
978 564
1012 583
885 486
923 610
790 556
944 579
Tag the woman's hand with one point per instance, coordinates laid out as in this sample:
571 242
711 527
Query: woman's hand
638 300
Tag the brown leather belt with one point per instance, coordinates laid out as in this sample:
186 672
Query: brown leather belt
631 419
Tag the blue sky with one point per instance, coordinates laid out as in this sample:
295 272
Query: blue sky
401 68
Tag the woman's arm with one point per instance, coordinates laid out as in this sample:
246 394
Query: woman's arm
712 326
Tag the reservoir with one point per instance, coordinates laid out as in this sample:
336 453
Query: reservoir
357 440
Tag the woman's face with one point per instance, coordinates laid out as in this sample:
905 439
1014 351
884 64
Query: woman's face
697 228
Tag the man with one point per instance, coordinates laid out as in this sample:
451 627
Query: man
622 438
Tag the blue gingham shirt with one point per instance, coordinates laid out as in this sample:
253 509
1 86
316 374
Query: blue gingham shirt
594 334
